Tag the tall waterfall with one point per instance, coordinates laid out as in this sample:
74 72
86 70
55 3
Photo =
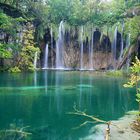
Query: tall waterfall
46 57
35 60
127 47
91 52
60 47
81 53
122 46
114 45
52 47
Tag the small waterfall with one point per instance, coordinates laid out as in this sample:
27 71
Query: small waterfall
127 48
46 57
35 60
91 52
122 46
114 45
81 53
52 47
60 47
51 37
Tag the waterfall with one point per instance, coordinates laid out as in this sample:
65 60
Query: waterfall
60 47
114 45
91 52
81 53
127 48
52 46
46 57
35 60
122 46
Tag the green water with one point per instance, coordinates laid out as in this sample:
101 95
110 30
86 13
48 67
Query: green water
42 100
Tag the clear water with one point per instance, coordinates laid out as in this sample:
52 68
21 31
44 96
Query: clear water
60 47
42 100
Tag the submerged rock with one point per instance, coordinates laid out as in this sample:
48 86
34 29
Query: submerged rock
120 130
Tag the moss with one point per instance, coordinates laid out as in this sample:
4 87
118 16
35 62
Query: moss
14 70
115 73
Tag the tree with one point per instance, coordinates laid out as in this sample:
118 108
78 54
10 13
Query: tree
134 79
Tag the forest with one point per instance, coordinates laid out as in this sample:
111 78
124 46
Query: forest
69 65
38 16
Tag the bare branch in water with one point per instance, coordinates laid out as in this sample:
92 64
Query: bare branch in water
93 120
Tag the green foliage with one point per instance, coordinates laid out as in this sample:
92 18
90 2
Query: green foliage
132 26
5 21
136 66
138 95
10 25
27 58
4 52
75 12
134 79
133 113
14 70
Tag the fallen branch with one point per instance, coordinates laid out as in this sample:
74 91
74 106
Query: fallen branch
93 120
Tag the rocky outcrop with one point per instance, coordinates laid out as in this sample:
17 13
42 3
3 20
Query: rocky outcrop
102 56
130 53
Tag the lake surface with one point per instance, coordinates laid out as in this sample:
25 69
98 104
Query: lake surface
42 101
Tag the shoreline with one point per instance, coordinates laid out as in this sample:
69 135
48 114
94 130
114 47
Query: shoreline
120 130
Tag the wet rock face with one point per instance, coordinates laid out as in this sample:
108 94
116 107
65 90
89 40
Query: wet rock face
96 39
46 40
118 45
47 36
105 44
102 57
139 47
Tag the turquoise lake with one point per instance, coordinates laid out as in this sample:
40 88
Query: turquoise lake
42 100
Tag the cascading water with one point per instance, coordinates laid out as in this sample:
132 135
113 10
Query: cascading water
81 53
114 44
127 48
35 60
46 57
52 46
60 47
122 46
91 53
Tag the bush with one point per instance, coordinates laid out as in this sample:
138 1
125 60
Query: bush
14 70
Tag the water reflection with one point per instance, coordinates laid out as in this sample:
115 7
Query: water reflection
46 81
43 99
58 91
80 97
35 78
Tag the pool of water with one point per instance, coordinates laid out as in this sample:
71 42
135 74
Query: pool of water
42 100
